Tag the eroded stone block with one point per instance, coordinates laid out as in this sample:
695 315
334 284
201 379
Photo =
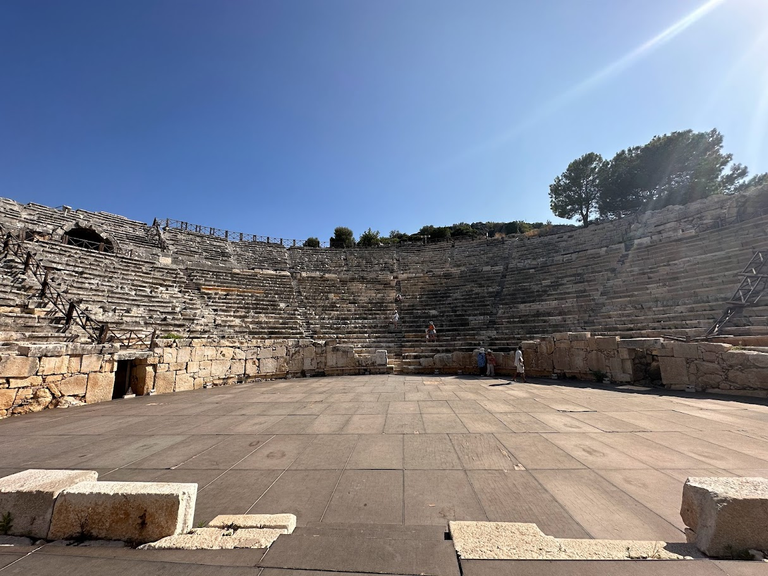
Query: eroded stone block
100 386
131 511
30 496
726 516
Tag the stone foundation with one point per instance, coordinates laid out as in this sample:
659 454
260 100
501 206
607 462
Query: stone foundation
49 376
60 375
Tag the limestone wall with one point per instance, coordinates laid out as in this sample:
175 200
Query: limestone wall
37 377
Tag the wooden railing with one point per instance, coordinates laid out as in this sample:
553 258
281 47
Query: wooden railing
99 332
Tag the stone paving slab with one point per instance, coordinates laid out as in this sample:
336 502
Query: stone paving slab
367 555
604 510
591 568
234 492
483 452
304 493
704 450
223 454
277 454
377 453
49 565
537 452
430 452
593 453
438 496
649 452
326 452
507 495
367 496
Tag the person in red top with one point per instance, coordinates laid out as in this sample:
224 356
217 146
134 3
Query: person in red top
490 363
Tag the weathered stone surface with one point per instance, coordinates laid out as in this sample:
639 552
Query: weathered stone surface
606 342
165 382
91 362
285 522
673 370
6 398
74 385
53 365
28 382
726 515
100 387
523 541
132 511
217 539
184 382
18 366
30 495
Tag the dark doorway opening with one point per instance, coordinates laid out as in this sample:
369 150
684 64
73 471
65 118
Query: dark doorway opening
85 238
122 379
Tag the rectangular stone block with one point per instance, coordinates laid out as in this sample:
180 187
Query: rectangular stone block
6 398
18 366
91 363
184 382
381 357
726 516
673 370
640 343
131 511
74 385
164 382
100 387
30 496
53 365
684 350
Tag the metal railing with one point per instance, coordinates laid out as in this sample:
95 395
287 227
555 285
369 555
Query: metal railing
229 235
99 332
106 247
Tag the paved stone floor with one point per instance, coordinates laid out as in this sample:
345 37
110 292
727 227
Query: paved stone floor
372 459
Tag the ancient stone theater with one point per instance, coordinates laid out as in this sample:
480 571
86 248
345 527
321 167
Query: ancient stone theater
96 306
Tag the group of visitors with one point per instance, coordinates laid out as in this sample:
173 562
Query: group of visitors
486 363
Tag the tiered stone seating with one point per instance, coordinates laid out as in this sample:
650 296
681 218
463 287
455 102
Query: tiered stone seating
668 272
254 303
353 310
123 291
680 286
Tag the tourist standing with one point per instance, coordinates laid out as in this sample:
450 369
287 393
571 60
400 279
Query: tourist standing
431 332
519 365
395 320
481 361
490 360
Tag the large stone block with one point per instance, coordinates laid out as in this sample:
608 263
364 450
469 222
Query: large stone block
132 511
184 382
30 495
100 387
91 363
18 366
74 385
6 398
164 382
684 350
726 516
673 370
54 365
606 342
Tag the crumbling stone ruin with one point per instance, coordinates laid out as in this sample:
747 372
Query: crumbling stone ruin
94 305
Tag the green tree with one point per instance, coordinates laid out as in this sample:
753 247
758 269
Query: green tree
342 238
575 192
369 238
312 242
675 168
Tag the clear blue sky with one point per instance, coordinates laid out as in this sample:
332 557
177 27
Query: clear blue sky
289 118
